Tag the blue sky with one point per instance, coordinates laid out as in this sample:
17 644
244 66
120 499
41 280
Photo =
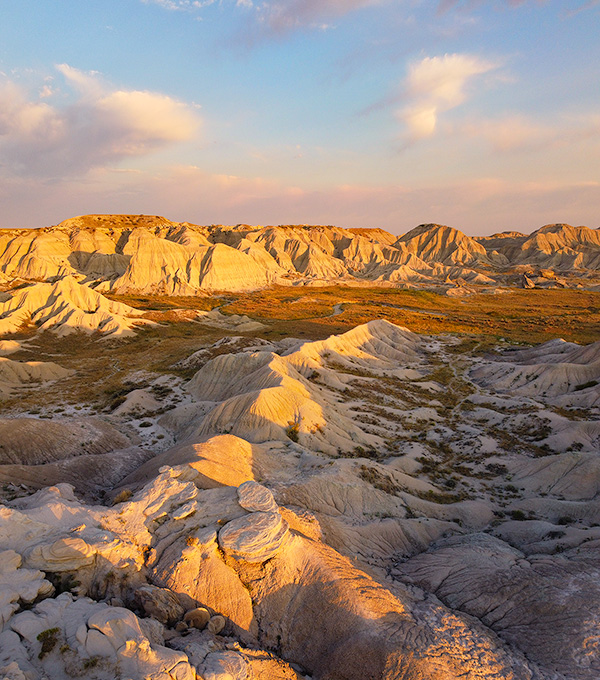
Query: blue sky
480 114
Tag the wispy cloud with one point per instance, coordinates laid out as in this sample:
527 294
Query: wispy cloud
283 16
477 206
102 126
280 17
182 5
435 85
523 133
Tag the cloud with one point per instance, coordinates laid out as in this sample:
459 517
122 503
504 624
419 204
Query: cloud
182 5
279 17
522 133
445 5
102 126
435 85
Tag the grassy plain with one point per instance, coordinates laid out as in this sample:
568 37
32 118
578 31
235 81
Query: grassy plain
529 316
104 366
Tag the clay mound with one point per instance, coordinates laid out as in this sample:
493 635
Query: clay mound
377 235
66 307
262 396
36 255
573 476
377 344
555 369
152 255
88 474
22 372
225 268
223 460
561 246
30 441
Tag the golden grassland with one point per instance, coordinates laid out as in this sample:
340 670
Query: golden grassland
529 316
104 366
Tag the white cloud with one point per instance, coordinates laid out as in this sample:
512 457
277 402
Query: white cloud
435 85
102 127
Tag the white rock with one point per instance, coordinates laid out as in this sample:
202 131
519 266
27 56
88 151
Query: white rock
254 538
65 554
18 584
255 497
227 665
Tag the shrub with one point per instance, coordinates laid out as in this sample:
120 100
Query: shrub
292 431
48 638
123 496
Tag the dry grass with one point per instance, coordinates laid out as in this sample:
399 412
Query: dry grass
528 316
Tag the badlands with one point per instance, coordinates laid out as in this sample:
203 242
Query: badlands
283 453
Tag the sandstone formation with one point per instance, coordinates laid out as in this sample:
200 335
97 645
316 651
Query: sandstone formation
65 307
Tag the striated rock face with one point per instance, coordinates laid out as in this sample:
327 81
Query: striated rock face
263 396
65 307
437 243
566 372
547 606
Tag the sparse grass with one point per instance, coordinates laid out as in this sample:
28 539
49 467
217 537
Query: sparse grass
379 480
103 365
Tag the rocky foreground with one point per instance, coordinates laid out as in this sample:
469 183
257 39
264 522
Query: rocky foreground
375 505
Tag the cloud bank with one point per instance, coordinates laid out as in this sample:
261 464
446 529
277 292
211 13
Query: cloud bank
101 127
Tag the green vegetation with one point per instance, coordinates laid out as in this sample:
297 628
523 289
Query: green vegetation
48 638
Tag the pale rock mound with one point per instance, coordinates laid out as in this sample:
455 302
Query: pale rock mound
437 243
15 374
262 396
65 307
153 255
547 606
33 442
566 373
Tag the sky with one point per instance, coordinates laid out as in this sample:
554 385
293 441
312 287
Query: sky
480 114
